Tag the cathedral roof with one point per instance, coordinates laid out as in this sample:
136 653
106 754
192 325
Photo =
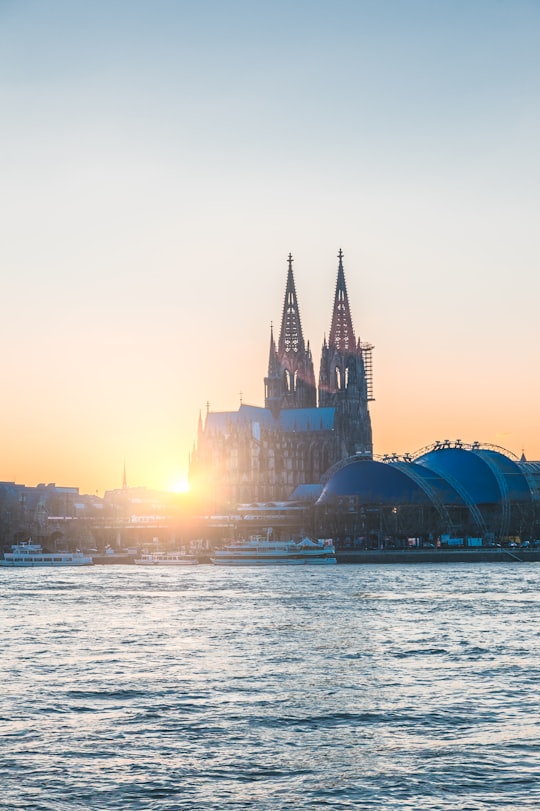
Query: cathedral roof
289 419
307 419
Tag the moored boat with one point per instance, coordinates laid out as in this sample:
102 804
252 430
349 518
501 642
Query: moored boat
259 551
166 559
27 554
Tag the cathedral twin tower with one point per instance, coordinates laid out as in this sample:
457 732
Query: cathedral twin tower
266 454
343 377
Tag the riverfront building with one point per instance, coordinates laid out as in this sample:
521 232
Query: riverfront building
450 491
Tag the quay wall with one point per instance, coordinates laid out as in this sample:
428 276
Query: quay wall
438 556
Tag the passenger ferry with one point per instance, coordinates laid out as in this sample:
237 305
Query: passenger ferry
32 554
166 559
259 551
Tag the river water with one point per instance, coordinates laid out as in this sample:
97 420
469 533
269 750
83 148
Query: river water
365 687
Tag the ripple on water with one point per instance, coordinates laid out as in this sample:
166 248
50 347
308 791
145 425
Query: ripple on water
366 687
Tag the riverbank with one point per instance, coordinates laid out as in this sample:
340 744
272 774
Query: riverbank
483 555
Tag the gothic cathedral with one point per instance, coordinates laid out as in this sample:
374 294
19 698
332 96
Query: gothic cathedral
265 454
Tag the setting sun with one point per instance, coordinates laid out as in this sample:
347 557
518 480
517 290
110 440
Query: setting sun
181 486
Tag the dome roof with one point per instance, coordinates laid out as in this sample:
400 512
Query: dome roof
468 470
515 481
468 486
482 475
380 483
449 475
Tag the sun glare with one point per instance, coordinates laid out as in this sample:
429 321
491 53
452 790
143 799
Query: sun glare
181 486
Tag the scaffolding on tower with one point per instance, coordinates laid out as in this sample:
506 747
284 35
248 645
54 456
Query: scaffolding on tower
367 357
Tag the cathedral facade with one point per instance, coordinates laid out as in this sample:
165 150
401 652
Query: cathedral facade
262 454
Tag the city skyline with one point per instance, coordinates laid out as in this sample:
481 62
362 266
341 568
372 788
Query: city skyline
160 162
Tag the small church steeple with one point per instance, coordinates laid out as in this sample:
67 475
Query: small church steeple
273 384
273 364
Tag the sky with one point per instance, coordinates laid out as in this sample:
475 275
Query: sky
158 162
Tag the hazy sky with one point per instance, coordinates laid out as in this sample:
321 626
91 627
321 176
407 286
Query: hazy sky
159 160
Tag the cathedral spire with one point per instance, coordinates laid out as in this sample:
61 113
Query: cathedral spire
291 379
342 374
290 337
341 330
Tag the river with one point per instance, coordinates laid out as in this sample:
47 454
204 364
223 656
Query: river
200 687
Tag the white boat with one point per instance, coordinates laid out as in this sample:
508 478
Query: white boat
259 551
31 554
166 559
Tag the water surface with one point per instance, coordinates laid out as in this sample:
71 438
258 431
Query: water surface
365 687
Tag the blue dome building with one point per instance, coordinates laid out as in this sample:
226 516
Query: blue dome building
449 490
